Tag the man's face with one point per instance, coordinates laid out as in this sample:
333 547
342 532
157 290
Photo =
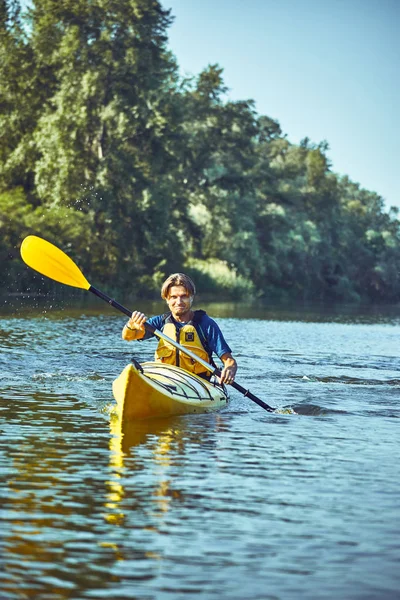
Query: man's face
179 301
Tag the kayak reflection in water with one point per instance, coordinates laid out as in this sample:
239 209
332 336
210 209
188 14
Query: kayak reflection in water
192 329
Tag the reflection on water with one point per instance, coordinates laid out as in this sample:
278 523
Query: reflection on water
166 440
115 493
240 504
159 435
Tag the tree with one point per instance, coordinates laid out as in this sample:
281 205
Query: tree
104 146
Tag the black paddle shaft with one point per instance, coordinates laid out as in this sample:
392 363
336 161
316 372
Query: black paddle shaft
118 306
152 329
252 397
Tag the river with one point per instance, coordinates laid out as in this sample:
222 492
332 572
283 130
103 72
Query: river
243 504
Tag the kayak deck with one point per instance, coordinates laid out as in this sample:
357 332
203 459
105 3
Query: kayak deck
158 390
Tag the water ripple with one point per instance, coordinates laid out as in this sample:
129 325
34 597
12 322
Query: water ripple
240 504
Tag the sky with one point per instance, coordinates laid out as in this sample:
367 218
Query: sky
324 69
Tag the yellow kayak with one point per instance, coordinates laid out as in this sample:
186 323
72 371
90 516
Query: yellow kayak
154 389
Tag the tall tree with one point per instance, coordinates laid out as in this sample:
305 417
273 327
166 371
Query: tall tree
21 100
107 124
105 147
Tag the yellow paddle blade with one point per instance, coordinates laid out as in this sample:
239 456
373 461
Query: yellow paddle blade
47 259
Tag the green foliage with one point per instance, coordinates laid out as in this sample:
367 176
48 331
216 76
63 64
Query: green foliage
137 172
214 276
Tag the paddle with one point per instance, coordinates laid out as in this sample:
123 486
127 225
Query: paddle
48 260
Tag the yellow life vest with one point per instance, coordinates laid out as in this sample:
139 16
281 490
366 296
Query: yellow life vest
188 337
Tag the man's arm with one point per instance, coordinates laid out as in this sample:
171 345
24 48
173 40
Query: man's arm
230 367
217 344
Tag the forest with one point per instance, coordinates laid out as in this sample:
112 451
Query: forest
137 172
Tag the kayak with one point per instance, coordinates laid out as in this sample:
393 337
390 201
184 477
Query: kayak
153 389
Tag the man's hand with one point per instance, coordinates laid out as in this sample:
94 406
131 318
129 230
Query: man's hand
134 329
137 321
229 371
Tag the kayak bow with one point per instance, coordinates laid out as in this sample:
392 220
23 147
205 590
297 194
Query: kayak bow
154 389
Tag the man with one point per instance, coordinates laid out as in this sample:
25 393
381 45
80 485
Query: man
194 330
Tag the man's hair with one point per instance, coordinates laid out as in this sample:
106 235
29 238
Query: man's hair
177 279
